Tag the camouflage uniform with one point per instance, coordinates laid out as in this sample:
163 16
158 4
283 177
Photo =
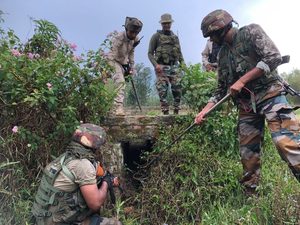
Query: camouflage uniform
269 103
59 200
164 50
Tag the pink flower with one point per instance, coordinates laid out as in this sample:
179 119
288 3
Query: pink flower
54 51
57 42
73 46
15 129
15 52
109 34
47 59
102 53
49 86
216 74
37 56
30 55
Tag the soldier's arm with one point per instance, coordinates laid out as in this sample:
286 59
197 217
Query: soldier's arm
116 43
152 48
205 55
131 58
264 47
93 196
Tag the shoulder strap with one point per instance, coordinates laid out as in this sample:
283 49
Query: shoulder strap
247 58
66 170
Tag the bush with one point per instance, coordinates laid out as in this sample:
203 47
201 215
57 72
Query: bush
46 90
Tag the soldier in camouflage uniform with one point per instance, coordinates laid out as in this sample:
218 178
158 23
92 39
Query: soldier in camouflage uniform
122 54
165 55
68 192
247 69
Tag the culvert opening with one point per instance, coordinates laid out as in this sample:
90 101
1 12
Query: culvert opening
132 152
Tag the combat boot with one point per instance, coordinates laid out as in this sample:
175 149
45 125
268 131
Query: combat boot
176 111
119 109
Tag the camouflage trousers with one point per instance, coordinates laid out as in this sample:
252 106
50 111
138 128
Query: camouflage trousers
172 75
284 128
104 221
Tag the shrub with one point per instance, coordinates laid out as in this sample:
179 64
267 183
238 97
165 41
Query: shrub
46 91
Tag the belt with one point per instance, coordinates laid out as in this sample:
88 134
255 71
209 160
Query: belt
171 63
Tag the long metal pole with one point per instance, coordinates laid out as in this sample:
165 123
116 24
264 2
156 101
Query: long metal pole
205 115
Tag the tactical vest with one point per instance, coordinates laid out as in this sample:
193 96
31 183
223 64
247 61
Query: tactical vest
53 204
168 48
212 58
233 66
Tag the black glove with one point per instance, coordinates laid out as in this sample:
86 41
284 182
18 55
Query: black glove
109 180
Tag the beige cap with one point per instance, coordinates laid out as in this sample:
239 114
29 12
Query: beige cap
166 18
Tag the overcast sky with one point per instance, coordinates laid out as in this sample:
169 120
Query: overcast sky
87 22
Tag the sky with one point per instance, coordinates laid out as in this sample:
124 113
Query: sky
87 22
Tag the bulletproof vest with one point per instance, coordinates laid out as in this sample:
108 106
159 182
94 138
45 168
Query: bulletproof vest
212 58
233 67
53 204
168 48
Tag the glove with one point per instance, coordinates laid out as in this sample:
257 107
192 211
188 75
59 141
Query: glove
109 180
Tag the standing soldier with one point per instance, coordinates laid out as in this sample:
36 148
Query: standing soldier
122 54
165 55
247 69
209 56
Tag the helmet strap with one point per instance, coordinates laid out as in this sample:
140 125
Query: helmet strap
221 34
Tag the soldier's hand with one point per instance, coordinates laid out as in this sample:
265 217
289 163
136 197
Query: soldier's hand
158 69
109 180
208 68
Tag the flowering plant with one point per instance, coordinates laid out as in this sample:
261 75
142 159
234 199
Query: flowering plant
46 90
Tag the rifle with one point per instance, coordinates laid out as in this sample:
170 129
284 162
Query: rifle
127 76
101 174
137 42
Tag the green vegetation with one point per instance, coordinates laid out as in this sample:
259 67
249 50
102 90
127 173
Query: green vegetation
46 90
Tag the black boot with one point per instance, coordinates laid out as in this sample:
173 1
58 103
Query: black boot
176 111
166 112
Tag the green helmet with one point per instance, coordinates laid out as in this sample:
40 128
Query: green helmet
133 24
89 135
214 21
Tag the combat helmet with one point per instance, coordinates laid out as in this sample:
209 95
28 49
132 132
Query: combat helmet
215 21
133 24
89 135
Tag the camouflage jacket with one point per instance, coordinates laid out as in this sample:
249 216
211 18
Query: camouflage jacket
250 41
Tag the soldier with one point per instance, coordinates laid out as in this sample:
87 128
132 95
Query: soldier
165 55
247 69
209 56
68 192
122 54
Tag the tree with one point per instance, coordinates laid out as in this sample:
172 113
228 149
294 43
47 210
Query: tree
293 79
143 85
